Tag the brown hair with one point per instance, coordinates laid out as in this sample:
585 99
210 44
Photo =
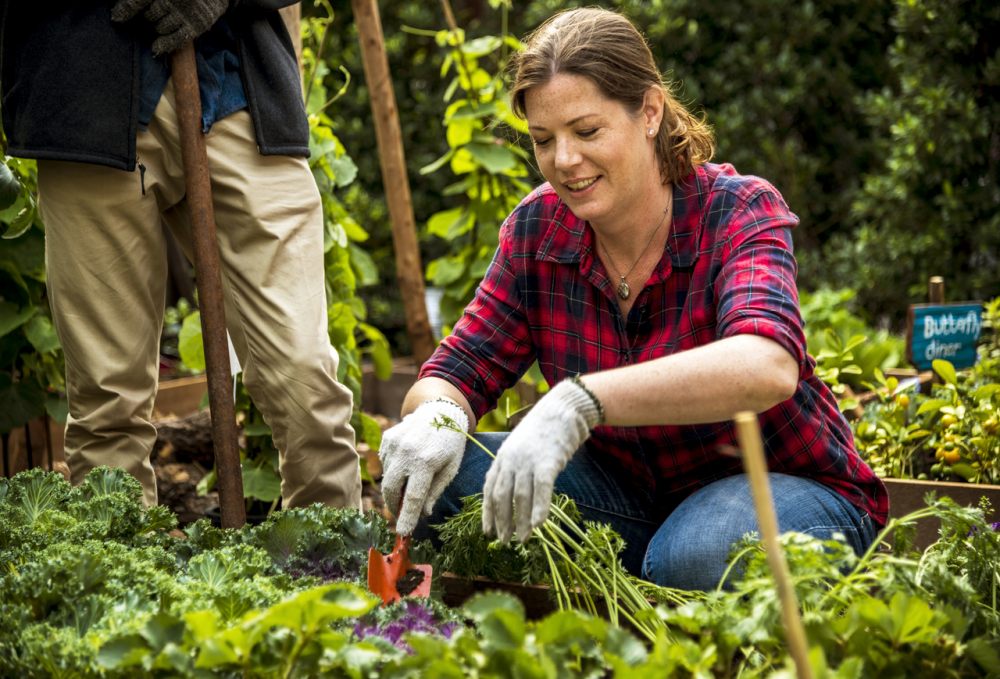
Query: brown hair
606 47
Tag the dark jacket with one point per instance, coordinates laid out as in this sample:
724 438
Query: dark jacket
69 79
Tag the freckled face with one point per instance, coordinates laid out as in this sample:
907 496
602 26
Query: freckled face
596 154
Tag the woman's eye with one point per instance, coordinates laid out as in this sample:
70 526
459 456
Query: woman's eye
540 142
587 133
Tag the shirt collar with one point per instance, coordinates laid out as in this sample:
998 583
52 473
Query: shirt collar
568 238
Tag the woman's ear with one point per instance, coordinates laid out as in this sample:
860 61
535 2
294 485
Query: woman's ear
652 107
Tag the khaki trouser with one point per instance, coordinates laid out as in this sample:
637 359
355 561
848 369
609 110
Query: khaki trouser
106 267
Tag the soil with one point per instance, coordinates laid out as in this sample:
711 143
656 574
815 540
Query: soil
183 455
409 581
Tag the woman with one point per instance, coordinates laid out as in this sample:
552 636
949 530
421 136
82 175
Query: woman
657 293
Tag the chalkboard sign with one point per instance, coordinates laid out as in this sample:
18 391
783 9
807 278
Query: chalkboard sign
945 331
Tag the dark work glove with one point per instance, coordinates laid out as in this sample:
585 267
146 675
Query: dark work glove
175 21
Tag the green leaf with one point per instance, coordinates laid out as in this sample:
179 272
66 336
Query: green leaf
127 651
496 158
460 132
945 370
316 607
344 170
482 605
964 470
13 317
10 187
41 334
437 164
504 629
371 432
932 405
445 270
378 350
57 408
986 391
25 218
20 402
986 655
162 629
449 224
364 266
256 429
262 483
480 47
189 343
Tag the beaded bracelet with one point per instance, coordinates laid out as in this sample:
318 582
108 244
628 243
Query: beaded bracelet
575 379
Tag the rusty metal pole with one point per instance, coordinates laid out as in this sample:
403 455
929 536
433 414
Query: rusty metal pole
209 282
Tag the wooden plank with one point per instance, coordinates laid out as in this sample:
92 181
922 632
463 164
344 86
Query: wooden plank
906 496
179 397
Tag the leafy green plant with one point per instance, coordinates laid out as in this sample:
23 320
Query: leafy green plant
231 602
580 560
953 434
490 170
31 360
847 349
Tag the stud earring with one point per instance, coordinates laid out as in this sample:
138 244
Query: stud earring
651 131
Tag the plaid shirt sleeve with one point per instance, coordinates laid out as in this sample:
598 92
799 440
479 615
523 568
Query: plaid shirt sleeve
755 287
490 346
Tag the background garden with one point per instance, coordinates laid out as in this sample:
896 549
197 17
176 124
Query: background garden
879 122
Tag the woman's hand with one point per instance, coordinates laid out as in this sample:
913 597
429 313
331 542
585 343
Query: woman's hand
518 487
422 456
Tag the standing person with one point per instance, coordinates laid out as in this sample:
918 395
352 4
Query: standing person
657 292
86 90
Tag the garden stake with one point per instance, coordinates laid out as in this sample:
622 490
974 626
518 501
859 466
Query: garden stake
209 283
389 138
748 432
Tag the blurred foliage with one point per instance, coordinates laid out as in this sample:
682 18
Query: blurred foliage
931 205
847 350
489 170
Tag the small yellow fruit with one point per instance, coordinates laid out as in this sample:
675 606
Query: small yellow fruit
952 456
948 420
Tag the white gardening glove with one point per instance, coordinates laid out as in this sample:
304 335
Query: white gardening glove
422 457
519 483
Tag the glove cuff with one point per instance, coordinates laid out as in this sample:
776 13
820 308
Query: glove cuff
582 400
449 408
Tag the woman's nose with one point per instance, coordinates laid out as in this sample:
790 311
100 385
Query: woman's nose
566 153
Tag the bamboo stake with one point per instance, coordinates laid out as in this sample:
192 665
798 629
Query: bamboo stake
748 432
209 281
409 271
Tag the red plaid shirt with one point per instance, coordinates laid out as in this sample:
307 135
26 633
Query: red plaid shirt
727 269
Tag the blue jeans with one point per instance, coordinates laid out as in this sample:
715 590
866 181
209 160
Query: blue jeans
688 546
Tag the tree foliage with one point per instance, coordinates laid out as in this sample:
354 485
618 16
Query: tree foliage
931 205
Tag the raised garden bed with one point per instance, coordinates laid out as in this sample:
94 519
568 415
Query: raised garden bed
907 495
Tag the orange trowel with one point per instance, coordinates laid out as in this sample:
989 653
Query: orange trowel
391 576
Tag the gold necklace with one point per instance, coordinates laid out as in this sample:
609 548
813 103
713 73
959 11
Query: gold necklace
623 289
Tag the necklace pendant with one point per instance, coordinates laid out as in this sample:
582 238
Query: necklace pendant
623 289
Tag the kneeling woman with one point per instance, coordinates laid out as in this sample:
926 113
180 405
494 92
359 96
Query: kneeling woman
657 292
